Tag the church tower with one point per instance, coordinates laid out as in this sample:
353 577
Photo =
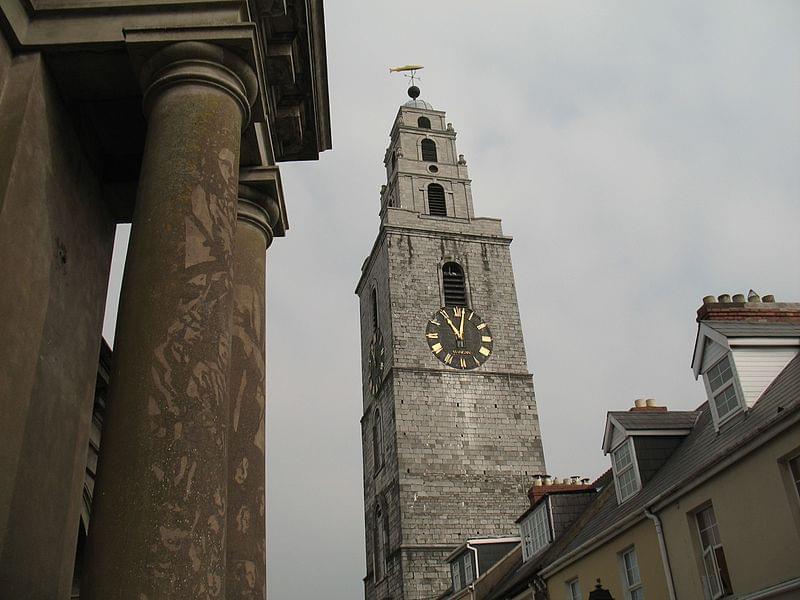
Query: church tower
450 431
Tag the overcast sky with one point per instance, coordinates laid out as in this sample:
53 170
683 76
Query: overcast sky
642 155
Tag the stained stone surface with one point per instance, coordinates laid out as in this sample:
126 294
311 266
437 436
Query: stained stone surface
159 513
246 552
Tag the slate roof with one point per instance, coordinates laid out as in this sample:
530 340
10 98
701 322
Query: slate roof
749 329
702 449
699 452
676 419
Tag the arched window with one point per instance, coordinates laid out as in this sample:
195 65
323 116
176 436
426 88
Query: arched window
454 283
436 203
380 541
377 442
428 150
375 308
424 123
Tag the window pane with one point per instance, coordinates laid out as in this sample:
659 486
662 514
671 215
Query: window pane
637 594
622 456
627 483
719 374
631 568
794 469
711 574
722 567
573 590
468 576
726 401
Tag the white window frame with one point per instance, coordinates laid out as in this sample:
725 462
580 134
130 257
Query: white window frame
469 570
456 572
795 478
634 590
634 464
573 589
713 580
731 383
535 531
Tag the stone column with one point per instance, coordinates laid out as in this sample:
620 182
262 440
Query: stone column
158 516
246 552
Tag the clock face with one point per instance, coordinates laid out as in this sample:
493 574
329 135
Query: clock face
375 367
458 337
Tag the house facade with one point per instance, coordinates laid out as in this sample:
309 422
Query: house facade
696 504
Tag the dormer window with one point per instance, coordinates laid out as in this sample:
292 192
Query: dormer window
722 389
456 571
424 123
535 531
428 147
626 475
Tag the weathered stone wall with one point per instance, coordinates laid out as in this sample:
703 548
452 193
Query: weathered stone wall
56 238
461 446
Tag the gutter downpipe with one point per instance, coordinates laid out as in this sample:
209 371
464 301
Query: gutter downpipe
662 546
474 551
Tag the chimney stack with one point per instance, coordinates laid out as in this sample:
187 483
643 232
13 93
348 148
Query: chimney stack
752 309
647 405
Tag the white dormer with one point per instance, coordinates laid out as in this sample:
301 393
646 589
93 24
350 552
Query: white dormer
739 360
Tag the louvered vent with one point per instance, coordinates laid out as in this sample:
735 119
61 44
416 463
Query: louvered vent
455 289
428 150
436 203
424 123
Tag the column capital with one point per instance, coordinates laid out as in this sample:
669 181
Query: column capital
252 213
218 58
262 185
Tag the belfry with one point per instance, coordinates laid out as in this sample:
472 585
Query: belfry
450 430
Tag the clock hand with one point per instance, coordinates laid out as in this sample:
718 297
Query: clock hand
449 322
461 329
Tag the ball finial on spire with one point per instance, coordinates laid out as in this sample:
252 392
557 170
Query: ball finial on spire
413 92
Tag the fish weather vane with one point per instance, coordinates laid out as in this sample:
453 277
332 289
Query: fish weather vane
410 71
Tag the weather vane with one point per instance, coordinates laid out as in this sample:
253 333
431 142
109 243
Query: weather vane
413 77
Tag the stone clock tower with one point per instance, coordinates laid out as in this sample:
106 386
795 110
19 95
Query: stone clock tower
450 431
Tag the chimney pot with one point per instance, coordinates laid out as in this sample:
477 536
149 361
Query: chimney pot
768 298
640 402
739 298
753 297
709 299
650 402
548 480
724 298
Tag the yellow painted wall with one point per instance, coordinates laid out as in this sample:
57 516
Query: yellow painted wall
759 521
604 563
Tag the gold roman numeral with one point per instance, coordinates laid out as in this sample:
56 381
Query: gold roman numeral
482 326
485 351
457 311
448 359
434 336
435 322
437 347
486 338
471 314
463 364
